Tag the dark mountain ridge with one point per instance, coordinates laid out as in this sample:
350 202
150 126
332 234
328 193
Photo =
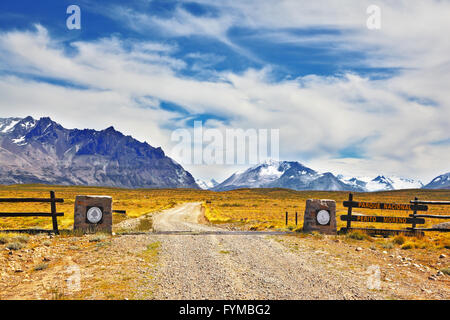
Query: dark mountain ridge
43 151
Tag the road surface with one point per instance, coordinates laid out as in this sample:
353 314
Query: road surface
211 265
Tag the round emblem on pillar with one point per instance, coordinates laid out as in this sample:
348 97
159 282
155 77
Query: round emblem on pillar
94 215
323 217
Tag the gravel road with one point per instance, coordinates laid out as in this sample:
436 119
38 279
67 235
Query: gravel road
227 266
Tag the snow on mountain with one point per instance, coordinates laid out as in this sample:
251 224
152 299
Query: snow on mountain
283 174
440 182
382 183
294 175
7 124
205 185
255 177
405 183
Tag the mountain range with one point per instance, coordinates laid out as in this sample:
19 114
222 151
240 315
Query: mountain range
294 175
42 151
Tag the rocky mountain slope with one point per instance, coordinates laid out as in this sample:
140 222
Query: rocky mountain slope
42 151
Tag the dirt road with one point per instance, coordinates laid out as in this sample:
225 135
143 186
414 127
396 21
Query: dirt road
227 266
184 259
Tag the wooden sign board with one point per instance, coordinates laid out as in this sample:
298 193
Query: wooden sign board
385 206
384 232
379 219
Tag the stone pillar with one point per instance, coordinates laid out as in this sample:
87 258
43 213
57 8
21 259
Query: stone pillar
93 214
320 216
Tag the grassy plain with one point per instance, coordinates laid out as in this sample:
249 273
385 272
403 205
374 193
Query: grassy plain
255 209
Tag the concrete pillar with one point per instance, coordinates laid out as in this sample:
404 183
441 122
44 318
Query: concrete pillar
93 214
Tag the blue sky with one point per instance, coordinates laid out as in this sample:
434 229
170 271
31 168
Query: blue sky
345 98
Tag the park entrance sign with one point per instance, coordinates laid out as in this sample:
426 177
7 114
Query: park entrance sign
413 220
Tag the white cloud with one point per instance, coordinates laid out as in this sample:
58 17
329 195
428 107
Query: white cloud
317 116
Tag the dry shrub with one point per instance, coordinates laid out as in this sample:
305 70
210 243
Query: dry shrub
357 235
399 240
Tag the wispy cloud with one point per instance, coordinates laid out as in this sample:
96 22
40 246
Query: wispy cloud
127 82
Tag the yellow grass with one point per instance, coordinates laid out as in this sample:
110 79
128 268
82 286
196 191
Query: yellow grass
246 208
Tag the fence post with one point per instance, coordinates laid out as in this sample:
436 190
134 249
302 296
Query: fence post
53 208
349 212
296 218
286 218
414 213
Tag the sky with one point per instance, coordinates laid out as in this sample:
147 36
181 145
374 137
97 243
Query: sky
345 98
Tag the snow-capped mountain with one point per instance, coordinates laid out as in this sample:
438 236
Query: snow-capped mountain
284 174
294 175
440 182
42 151
205 185
382 183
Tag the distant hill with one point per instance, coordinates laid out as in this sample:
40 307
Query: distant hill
43 151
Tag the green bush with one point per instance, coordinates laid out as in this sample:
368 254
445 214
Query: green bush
15 246
387 245
21 238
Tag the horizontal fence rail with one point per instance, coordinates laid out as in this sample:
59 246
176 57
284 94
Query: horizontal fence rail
440 203
53 214
431 216
416 201
42 200
30 214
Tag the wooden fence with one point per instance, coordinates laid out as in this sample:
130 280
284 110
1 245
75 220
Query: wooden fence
416 201
53 214
287 218
414 219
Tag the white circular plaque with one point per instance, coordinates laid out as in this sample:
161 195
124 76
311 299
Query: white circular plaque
323 217
94 215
